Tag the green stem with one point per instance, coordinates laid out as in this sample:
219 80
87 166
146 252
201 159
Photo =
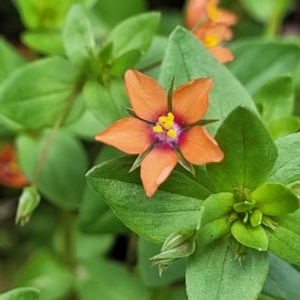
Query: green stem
150 67
52 135
67 220
274 23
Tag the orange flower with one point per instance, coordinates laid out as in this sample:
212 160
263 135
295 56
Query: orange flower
211 35
201 10
10 173
163 129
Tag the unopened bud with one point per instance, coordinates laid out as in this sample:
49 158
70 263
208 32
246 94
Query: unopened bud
28 202
176 246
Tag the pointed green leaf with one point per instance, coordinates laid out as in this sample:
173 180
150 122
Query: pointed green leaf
275 199
249 154
24 293
36 93
253 237
281 59
134 33
212 273
186 59
285 240
78 38
215 217
286 168
155 218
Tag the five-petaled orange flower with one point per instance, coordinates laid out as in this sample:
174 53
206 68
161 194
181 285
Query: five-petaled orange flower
211 25
163 128
10 173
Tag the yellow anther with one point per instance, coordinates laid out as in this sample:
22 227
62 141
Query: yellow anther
170 116
162 119
168 124
211 41
212 10
172 133
157 128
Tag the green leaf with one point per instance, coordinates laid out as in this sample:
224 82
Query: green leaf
286 168
10 60
275 99
187 59
275 199
35 94
78 38
264 10
25 293
43 272
62 176
45 42
95 215
281 59
46 14
175 207
282 281
106 102
283 127
109 280
215 217
113 12
249 154
150 276
285 240
212 273
134 33
253 237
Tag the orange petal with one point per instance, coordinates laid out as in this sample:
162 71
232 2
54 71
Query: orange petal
156 167
129 135
227 17
198 147
190 101
147 97
222 54
194 11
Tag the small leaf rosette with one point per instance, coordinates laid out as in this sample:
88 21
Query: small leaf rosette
252 218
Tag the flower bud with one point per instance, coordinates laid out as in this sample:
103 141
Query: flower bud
176 246
28 202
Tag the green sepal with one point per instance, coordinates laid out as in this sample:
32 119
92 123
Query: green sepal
140 158
253 237
244 206
182 160
200 123
256 217
275 199
28 202
131 113
215 221
170 93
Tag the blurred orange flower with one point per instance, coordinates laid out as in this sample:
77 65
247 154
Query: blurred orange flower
211 25
10 173
163 129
